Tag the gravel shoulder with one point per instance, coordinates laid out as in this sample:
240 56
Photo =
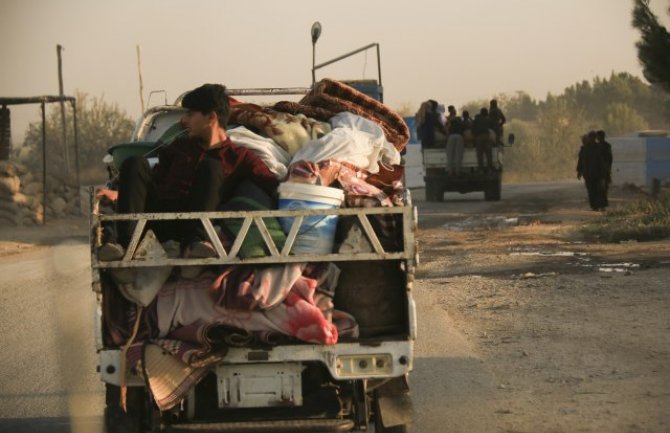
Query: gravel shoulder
561 335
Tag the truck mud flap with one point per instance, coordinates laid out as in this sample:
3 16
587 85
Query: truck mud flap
393 403
283 426
395 410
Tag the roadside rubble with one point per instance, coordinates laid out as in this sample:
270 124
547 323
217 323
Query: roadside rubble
21 197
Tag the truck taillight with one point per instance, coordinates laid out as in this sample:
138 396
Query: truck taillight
366 365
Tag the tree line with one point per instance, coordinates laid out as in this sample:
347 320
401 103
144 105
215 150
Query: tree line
548 131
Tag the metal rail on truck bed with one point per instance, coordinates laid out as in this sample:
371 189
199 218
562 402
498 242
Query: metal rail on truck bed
406 251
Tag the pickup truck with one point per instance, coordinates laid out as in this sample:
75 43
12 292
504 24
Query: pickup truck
283 385
470 179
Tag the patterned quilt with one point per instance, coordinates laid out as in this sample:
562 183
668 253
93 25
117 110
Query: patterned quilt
330 97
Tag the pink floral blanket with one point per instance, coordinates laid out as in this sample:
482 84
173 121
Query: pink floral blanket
279 299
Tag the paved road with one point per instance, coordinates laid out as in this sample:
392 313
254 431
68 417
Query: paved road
47 368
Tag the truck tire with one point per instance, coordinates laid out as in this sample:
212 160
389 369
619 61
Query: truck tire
492 191
434 191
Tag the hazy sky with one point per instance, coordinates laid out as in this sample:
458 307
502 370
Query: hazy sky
452 51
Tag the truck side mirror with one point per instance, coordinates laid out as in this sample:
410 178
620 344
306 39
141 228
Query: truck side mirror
510 139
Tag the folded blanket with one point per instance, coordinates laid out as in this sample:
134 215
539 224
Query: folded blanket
275 157
289 131
297 312
332 97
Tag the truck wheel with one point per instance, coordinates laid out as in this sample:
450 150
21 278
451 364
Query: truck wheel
434 191
492 191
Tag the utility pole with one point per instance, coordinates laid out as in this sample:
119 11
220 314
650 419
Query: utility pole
139 71
59 49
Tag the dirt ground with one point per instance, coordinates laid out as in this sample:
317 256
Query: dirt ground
577 335
18 240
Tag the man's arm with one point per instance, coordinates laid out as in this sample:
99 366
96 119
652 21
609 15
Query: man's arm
247 165
580 163
106 194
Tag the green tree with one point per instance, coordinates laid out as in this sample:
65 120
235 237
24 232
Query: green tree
621 119
520 106
100 125
561 126
654 47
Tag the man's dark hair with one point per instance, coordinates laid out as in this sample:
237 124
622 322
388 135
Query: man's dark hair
600 134
209 98
484 111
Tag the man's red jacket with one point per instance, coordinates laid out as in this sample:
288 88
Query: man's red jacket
174 173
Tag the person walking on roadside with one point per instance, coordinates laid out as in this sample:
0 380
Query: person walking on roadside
591 165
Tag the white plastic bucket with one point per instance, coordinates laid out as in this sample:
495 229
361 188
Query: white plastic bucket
317 233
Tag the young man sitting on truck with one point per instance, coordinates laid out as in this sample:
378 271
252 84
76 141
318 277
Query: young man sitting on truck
196 173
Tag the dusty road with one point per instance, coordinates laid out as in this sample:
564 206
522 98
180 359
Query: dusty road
47 367
522 327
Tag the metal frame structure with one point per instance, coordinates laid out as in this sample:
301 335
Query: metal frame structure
349 54
254 219
43 100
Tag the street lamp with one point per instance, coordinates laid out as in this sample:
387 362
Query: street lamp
316 32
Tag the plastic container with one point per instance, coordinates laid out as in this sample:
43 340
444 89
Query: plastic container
317 233
137 148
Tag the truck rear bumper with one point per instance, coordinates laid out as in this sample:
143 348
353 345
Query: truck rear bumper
298 426
344 361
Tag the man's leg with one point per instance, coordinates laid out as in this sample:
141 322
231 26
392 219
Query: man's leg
479 147
458 156
451 155
591 185
489 155
134 188
206 194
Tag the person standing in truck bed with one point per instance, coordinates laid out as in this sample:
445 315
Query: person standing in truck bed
428 124
497 119
196 173
455 143
483 142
